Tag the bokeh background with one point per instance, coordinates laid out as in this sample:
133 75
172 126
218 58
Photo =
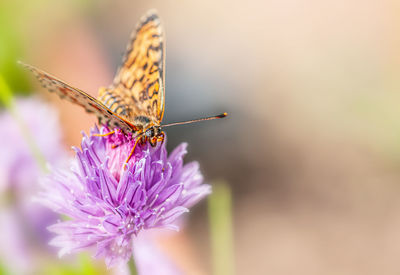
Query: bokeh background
311 149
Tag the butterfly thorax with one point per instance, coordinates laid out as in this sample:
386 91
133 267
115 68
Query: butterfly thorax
146 126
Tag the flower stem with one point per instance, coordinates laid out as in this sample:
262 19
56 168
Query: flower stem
132 266
6 98
220 222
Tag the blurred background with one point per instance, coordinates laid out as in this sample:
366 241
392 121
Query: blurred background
311 147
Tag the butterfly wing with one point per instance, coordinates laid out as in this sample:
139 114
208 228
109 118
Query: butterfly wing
81 98
138 87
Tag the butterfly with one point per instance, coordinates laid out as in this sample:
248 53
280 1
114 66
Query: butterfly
135 101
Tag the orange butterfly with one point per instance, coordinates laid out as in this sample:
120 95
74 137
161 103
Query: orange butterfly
135 101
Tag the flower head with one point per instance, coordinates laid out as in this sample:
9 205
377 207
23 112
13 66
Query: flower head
109 204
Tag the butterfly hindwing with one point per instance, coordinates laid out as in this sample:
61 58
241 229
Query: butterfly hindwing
89 103
138 87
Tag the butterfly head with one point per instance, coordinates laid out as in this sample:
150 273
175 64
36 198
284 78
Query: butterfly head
153 134
153 131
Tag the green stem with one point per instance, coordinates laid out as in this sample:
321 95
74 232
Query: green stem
132 266
6 98
220 221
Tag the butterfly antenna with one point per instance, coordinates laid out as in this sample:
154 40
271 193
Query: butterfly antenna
196 120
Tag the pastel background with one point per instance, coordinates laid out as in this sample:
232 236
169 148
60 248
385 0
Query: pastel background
311 147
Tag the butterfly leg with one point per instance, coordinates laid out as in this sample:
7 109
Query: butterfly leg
161 137
153 141
104 135
133 150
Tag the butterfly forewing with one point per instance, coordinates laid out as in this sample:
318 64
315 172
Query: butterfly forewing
138 87
91 104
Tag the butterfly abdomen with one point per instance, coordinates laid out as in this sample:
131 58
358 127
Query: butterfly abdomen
115 102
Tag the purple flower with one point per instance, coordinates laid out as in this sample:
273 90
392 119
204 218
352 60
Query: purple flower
23 221
110 203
